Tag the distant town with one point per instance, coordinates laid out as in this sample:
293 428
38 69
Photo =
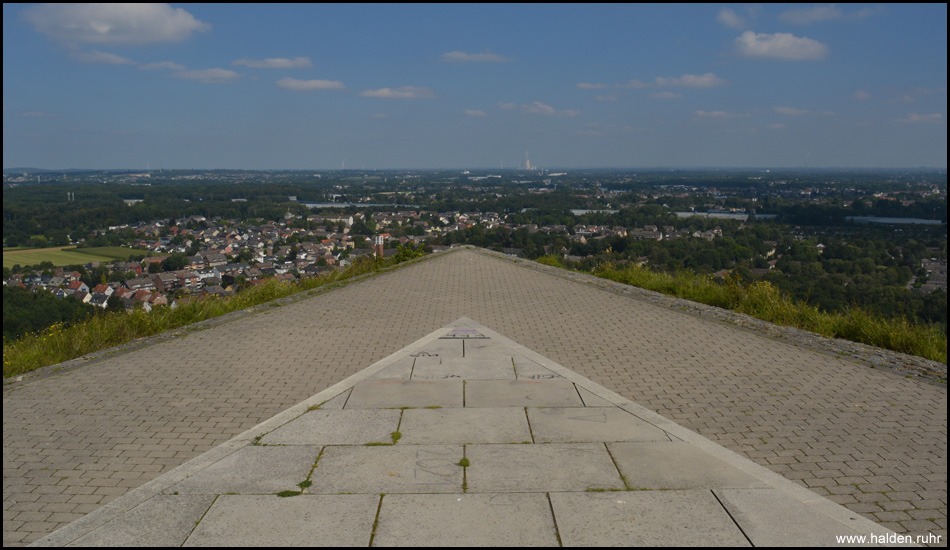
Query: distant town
833 238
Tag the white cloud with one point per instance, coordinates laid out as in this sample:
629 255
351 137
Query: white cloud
170 65
707 80
812 15
780 45
463 57
913 118
718 114
825 12
475 113
309 85
405 92
95 56
731 19
629 85
209 76
790 111
903 98
911 96
538 108
632 84
861 95
113 23
274 63
666 95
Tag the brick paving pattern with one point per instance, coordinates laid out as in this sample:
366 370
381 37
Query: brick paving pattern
871 440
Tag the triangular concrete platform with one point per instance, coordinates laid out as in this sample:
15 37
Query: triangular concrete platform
467 438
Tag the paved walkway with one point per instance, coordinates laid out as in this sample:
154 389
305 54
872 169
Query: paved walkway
466 438
868 439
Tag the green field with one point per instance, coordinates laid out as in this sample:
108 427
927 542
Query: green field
69 255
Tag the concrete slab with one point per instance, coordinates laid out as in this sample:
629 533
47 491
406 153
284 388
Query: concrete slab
334 403
525 369
644 518
466 520
768 518
165 520
533 468
337 427
252 470
492 462
485 348
441 347
382 394
428 426
399 370
589 424
592 400
676 465
467 368
304 520
424 361
389 469
127 419
464 333
521 393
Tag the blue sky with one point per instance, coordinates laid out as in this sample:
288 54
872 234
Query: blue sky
317 86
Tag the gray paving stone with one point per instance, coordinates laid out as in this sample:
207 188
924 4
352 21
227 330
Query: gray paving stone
767 518
164 520
534 468
590 424
253 470
467 368
196 390
337 427
521 393
644 518
466 520
683 467
272 521
389 469
380 394
469 425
